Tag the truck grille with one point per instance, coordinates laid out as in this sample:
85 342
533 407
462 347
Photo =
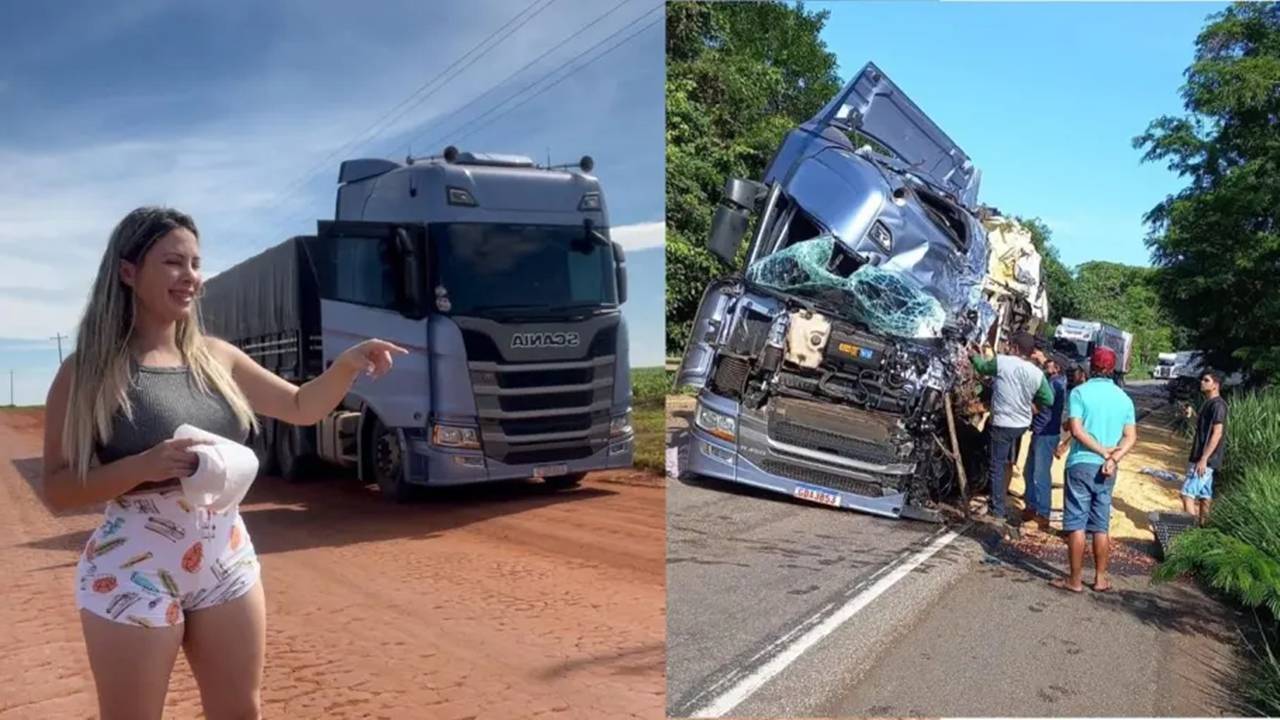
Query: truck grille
543 412
845 446
822 479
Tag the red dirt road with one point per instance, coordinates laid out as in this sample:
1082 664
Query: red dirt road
500 602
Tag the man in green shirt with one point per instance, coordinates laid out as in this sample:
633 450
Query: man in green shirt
1018 384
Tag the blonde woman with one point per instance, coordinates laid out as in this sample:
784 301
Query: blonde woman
158 573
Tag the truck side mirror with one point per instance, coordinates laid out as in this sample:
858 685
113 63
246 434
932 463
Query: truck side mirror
411 281
729 225
620 271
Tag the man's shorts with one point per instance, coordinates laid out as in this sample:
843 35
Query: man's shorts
1199 487
1087 499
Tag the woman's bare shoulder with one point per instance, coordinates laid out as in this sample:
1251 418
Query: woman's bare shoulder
222 351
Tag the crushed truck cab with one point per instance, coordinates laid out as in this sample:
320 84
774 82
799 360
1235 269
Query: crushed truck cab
824 364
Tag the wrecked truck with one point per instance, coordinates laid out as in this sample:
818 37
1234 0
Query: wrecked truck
828 364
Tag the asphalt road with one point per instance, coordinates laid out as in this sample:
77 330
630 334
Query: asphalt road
746 567
750 573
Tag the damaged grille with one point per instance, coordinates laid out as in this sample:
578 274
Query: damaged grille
837 430
822 479
845 446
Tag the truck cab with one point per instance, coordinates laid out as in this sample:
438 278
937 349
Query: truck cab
499 278
822 362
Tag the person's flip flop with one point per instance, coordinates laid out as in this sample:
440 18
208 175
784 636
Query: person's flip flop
1061 584
1106 589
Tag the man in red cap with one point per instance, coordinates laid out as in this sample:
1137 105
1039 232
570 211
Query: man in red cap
1104 430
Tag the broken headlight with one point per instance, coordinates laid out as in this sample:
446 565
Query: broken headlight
717 424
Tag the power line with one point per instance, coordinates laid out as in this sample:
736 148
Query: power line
498 85
350 144
474 128
541 79
306 177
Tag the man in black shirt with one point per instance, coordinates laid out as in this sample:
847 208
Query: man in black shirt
1206 450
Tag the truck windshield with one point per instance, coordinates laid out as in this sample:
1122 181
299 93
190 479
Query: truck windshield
493 269
1075 349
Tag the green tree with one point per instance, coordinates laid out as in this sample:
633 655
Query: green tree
739 76
1129 298
1218 239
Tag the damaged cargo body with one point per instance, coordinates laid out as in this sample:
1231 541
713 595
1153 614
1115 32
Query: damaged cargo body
823 366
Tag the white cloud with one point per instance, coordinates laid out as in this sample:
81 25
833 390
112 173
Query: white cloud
58 203
640 236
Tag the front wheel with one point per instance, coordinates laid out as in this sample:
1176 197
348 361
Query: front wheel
565 482
388 463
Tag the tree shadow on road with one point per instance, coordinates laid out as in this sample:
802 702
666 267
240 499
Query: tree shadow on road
1179 606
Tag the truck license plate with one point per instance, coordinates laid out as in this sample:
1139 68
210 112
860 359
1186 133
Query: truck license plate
550 471
813 494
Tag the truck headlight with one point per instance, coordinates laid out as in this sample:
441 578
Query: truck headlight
455 437
620 426
718 424
590 201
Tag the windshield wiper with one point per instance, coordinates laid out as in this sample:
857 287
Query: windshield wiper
509 306
594 307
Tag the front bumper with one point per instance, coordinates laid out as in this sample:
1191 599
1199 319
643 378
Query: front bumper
433 466
771 466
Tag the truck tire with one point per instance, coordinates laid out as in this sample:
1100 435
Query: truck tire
386 459
294 456
264 449
565 482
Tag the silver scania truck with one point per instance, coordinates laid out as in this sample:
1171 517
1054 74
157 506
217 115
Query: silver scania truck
825 361
498 276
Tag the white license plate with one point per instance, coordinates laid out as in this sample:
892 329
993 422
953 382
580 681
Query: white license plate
550 471
813 494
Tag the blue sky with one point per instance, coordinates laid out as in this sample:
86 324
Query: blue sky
1045 97
218 109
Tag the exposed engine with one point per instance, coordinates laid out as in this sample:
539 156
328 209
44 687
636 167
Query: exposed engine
890 389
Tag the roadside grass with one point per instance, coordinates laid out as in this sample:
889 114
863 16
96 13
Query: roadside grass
648 408
1238 551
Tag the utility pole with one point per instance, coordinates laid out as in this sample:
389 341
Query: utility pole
59 337
11 404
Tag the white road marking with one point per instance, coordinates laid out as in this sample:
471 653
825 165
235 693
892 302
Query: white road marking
745 687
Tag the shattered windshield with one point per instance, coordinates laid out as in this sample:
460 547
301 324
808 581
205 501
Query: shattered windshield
886 300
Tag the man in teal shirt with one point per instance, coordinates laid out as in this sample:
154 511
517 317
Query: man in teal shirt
1103 426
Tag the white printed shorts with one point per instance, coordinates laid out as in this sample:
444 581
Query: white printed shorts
155 557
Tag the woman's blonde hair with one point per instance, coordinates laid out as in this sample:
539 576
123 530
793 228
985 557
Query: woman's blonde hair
101 362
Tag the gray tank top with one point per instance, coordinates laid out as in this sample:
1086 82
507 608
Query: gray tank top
164 398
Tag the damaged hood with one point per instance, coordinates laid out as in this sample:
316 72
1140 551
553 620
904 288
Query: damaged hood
895 229
873 105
